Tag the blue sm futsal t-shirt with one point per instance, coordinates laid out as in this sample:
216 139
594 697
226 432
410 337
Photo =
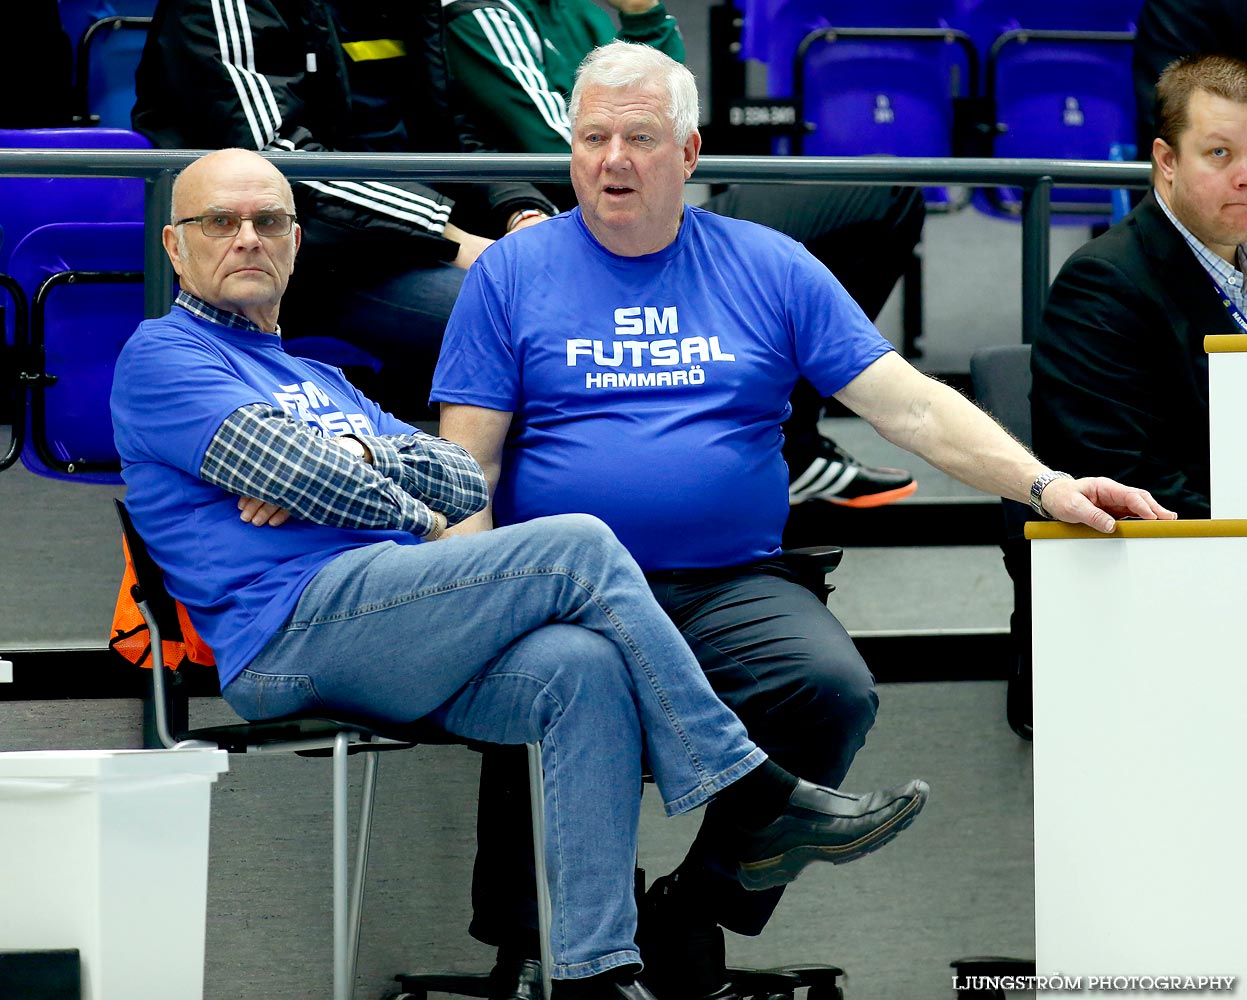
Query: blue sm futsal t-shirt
176 381
650 390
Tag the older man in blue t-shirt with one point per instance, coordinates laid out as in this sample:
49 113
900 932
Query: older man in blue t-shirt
633 359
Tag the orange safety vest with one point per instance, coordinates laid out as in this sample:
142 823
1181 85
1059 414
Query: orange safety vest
130 637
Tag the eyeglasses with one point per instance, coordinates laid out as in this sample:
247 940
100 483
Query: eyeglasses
220 225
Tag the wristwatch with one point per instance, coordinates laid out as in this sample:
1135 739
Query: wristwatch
1037 488
354 445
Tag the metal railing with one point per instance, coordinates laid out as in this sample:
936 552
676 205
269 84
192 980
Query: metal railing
1036 178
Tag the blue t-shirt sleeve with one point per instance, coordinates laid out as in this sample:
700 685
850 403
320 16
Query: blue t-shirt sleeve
170 396
478 366
833 340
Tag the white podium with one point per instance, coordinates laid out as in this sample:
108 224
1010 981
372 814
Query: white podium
1227 423
106 851
1140 710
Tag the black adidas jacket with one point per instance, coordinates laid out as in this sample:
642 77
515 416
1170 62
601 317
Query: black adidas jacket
320 75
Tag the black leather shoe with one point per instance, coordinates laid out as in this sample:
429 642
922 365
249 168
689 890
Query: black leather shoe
570 989
822 824
515 979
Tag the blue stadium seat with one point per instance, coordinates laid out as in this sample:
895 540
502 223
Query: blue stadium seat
108 37
84 281
879 96
29 202
1058 78
107 58
986 20
885 82
773 29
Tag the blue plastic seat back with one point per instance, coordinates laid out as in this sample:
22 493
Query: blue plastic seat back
773 29
84 327
1067 101
1055 99
865 97
29 202
78 15
112 60
986 20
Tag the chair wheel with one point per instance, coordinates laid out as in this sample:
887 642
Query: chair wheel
825 993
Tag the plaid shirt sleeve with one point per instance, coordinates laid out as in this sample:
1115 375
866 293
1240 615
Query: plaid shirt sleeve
260 452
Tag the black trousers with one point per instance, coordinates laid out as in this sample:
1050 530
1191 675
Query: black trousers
778 658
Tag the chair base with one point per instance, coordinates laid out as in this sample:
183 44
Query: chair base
819 981
463 984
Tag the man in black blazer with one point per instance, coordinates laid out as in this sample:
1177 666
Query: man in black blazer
1120 373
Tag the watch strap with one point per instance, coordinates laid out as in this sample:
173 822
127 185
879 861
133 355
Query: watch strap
1037 488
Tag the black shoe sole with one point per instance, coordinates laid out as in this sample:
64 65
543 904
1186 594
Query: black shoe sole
767 873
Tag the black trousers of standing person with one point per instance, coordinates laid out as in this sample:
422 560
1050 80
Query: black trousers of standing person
779 659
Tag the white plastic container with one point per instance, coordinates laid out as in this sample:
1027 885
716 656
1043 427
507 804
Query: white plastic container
106 851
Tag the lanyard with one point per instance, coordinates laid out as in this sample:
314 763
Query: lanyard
1228 302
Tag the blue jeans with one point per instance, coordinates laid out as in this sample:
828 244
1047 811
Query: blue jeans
779 660
539 631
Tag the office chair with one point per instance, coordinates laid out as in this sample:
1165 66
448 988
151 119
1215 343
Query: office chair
310 737
1001 377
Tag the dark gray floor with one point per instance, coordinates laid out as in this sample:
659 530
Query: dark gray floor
958 883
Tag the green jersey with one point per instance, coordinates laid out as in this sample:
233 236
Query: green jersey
514 62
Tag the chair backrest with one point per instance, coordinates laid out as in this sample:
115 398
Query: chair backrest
78 15
149 579
1001 376
1057 78
773 29
29 202
986 20
873 90
107 58
81 325
880 96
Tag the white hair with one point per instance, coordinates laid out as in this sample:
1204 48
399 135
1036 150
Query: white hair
627 64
